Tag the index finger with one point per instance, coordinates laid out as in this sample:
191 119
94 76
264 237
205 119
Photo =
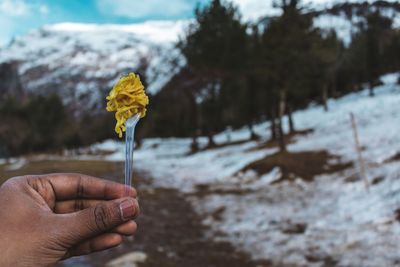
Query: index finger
75 186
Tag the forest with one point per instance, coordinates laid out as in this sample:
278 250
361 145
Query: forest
237 74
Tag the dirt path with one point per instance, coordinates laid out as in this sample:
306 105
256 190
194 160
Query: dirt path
171 234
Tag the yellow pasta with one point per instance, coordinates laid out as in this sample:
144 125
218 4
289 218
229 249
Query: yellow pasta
126 99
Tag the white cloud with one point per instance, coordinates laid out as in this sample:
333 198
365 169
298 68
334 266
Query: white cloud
19 8
146 8
14 7
250 9
17 14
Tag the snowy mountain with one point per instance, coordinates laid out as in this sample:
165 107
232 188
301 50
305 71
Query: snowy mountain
344 17
80 61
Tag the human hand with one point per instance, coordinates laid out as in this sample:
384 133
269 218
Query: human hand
46 218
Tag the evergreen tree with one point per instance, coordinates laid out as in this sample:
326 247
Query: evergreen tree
376 31
288 41
329 56
214 48
46 117
251 100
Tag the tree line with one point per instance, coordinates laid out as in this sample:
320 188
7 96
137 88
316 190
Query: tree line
239 73
43 123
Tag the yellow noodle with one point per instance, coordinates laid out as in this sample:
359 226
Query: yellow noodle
126 99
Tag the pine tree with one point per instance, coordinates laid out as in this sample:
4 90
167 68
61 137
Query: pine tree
214 48
253 77
328 51
288 41
376 31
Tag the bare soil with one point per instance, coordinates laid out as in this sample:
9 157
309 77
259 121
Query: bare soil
172 235
288 139
396 157
96 168
305 164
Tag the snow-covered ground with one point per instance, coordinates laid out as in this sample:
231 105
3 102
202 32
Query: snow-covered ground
343 223
333 219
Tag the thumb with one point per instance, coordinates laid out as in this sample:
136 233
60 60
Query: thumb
101 218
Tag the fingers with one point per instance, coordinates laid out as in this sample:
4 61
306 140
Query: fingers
101 242
69 206
68 186
127 229
105 241
101 218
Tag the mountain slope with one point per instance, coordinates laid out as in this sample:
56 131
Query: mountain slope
81 61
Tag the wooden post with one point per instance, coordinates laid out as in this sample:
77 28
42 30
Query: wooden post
361 162
282 107
325 97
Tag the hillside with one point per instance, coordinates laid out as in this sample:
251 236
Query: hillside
282 213
80 62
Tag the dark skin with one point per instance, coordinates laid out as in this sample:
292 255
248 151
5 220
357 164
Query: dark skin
48 218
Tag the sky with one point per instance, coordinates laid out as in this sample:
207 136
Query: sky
18 17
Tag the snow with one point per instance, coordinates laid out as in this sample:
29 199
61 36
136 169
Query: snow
169 158
82 61
345 27
12 164
129 259
94 56
333 129
340 24
153 31
253 10
330 3
343 221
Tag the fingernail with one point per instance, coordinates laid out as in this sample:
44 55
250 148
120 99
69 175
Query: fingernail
128 209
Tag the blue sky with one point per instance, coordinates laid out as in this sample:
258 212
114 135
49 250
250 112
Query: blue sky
19 16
